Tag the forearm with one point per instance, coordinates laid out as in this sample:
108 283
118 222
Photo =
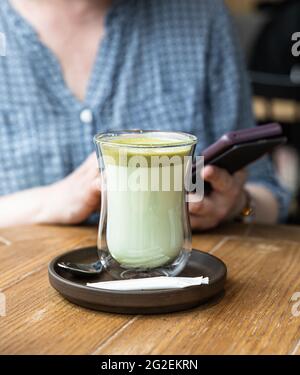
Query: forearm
266 205
25 207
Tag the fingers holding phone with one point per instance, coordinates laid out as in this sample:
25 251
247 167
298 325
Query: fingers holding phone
221 181
226 200
224 175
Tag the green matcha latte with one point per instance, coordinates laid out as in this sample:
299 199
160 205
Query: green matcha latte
145 196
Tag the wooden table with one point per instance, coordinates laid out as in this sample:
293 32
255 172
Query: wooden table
254 317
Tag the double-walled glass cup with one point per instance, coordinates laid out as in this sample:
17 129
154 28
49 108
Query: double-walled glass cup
144 227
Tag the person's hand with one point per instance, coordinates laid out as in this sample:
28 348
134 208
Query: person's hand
225 201
73 199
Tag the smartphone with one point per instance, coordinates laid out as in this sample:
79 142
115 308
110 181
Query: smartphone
237 149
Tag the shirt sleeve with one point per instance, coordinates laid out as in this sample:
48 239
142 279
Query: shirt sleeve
229 98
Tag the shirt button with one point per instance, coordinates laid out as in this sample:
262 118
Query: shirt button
86 116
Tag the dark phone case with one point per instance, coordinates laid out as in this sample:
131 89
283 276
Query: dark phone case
241 136
239 156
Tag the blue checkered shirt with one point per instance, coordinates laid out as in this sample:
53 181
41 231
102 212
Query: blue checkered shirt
163 64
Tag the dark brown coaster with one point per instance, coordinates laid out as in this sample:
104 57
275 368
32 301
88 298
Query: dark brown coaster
74 288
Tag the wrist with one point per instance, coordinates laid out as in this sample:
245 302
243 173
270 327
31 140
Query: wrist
48 212
246 213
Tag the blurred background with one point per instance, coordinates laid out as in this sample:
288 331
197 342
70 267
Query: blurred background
265 30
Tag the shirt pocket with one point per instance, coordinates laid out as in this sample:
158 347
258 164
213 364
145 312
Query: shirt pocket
19 151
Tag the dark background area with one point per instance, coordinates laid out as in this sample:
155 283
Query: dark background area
265 31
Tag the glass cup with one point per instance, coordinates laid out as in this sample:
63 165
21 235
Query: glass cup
144 227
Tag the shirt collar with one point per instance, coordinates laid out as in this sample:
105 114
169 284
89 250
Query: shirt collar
21 26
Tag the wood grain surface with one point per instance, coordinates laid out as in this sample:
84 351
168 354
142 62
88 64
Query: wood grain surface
256 315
